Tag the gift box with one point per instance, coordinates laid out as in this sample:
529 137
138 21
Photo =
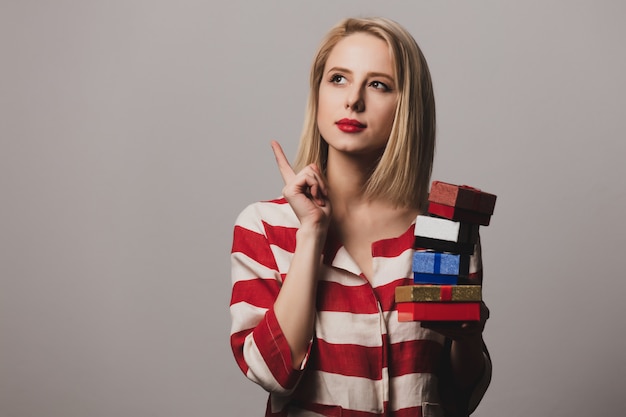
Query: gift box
428 311
437 262
444 235
440 279
459 215
437 279
445 229
462 196
422 243
432 293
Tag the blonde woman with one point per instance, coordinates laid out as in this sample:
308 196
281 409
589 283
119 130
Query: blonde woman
314 320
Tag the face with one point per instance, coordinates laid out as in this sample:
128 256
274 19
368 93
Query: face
357 96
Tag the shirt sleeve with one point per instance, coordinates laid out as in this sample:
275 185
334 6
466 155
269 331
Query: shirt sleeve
461 403
257 341
479 390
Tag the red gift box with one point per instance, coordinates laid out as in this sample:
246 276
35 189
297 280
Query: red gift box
462 196
430 311
458 214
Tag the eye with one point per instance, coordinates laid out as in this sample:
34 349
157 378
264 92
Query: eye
380 86
338 79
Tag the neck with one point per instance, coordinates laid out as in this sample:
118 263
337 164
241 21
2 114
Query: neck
347 176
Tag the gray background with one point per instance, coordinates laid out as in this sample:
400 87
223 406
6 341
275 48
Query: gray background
133 132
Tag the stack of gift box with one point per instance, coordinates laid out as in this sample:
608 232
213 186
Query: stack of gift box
447 282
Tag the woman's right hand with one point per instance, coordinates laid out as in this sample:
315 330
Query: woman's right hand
306 192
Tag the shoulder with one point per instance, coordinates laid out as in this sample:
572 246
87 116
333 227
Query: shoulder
275 212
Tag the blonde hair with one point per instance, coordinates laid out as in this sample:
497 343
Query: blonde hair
402 174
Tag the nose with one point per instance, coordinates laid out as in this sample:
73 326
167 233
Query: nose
355 100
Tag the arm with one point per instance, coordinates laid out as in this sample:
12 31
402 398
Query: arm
469 363
272 317
467 358
295 305
467 350
257 341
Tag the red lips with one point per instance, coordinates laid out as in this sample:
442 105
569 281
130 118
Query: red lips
350 125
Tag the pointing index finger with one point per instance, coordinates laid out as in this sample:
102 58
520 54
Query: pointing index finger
283 164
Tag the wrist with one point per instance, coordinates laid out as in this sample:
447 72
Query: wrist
312 232
311 239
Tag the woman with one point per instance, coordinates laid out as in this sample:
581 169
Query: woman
314 272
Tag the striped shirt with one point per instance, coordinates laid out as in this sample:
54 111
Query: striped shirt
361 361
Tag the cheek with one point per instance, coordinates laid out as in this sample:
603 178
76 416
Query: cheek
321 116
388 124
385 109
321 113
325 98
392 110
388 116
323 108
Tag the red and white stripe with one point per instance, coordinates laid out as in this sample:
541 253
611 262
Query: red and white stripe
362 361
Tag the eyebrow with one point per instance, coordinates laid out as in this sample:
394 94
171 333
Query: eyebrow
369 74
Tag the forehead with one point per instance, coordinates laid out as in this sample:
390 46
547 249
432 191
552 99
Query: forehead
361 51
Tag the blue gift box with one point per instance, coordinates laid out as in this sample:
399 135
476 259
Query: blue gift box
428 262
435 279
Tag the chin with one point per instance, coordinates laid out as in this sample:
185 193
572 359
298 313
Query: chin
360 151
